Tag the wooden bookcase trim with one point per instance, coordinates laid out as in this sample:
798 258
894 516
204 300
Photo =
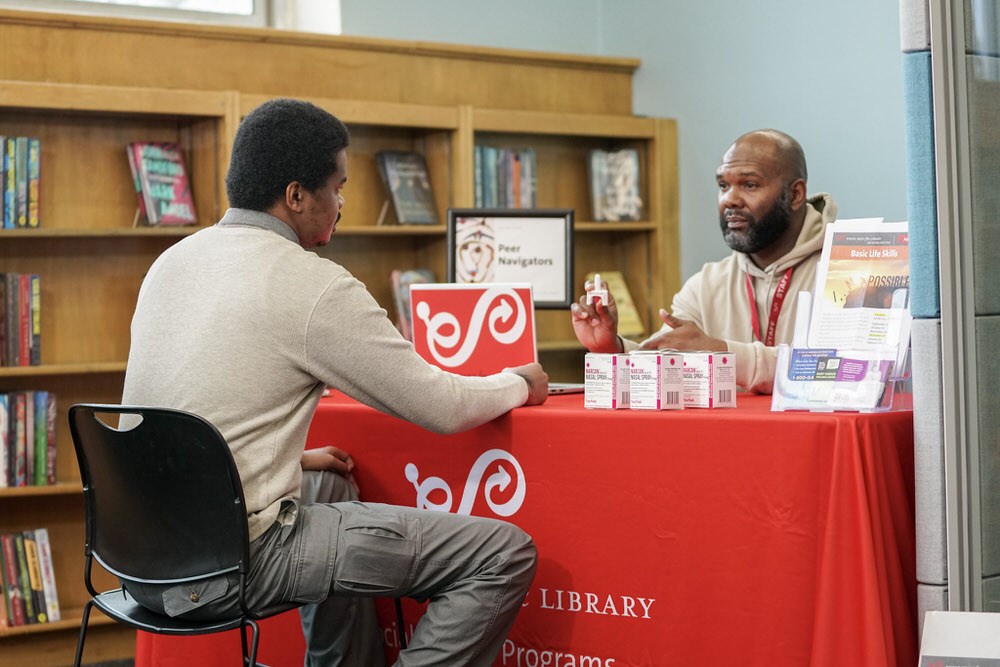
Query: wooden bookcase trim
365 112
113 99
562 124
300 39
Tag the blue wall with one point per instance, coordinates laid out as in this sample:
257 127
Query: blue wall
828 73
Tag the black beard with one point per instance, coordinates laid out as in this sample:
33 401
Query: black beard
760 233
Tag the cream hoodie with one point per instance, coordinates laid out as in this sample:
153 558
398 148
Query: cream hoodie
715 298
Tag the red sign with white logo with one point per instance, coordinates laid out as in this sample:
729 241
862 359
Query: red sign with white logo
474 329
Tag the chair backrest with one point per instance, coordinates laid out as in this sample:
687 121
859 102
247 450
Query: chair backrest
163 496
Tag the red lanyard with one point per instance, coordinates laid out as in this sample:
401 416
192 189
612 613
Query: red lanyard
776 303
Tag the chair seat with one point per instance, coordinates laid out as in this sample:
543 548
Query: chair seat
122 607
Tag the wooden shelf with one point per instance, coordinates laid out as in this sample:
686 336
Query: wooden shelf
604 227
125 232
59 489
63 369
70 620
391 230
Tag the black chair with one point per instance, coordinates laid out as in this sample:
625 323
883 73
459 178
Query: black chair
164 504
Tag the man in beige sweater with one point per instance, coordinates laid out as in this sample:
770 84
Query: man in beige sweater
243 325
739 304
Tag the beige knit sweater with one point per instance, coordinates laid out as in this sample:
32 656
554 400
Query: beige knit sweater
241 325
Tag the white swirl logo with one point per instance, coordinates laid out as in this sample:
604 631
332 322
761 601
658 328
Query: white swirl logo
511 305
498 481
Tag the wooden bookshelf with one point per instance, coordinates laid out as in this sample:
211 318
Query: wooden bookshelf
192 84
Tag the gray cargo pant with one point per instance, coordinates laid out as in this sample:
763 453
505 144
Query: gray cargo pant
474 571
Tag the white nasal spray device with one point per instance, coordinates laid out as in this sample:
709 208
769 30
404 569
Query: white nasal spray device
599 292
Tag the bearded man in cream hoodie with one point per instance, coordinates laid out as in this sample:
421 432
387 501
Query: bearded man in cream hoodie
737 304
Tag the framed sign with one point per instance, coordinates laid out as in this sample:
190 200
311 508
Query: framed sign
514 245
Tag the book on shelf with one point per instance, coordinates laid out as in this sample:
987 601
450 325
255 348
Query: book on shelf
504 177
162 178
629 322
408 184
48 574
35 587
34 181
22 579
401 281
28 591
14 597
4 441
40 440
10 182
614 185
19 439
4 613
51 449
20 319
141 214
27 438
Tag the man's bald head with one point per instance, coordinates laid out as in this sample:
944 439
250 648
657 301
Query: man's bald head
775 144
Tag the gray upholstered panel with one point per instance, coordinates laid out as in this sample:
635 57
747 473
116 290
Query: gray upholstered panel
930 598
991 594
988 380
984 129
914 27
921 189
928 454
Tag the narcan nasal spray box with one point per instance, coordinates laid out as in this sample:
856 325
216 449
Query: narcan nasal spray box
709 380
606 381
656 380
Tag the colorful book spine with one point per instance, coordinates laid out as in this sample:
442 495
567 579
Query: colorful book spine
34 181
10 319
24 319
41 441
21 154
4 613
50 460
20 439
23 580
10 186
4 360
35 587
3 179
29 438
5 470
35 343
11 579
48 574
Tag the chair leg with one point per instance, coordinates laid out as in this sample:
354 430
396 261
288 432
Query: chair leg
243 644
254 638
83 633
400 623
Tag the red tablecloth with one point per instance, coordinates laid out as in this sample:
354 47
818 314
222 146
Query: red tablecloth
708 537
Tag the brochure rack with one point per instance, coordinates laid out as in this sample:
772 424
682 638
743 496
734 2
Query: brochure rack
862 379
851 349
